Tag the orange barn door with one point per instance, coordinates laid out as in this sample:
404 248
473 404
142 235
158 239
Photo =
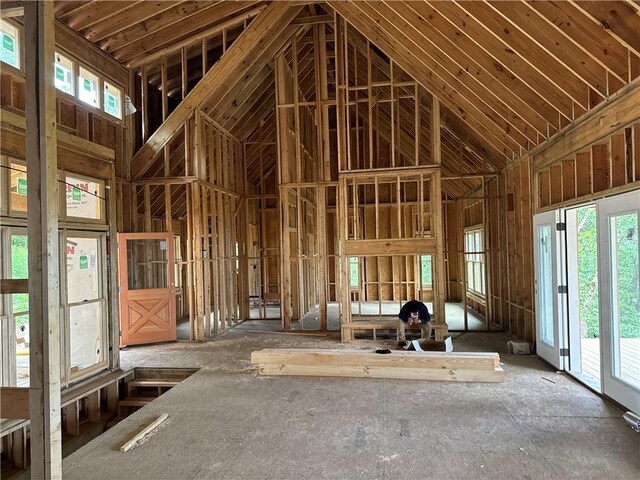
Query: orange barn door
147 288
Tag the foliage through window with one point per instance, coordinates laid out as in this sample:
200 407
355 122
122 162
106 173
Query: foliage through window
426 271
474 259
354 272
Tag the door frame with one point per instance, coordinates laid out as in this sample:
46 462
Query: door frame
554 354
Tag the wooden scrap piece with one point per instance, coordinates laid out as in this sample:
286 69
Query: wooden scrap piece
142 433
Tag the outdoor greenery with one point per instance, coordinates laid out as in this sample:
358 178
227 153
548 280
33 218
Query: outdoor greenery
625 233
20 269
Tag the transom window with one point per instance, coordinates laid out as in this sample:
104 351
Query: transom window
10 46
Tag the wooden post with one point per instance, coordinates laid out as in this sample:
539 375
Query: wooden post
42 218
436 202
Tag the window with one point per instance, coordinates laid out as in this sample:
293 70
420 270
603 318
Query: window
18 187
88 87
64 74
474 259
354 272
10 47
85 300
112 100
84 198
426 271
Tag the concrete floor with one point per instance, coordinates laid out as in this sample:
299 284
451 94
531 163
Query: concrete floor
227 422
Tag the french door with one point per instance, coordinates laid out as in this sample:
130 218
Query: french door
619 266
549 293
614 268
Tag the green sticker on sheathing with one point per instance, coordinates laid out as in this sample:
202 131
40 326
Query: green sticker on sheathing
84 262
87 85
76 194
59 74
22 186
112 102
7 42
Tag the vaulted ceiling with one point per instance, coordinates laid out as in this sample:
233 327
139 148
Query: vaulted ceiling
509 74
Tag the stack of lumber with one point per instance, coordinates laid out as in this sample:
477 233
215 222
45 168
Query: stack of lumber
453 367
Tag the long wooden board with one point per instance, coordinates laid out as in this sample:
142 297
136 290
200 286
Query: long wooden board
464 366
494 376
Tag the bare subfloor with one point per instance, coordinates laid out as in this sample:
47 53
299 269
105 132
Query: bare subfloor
227 422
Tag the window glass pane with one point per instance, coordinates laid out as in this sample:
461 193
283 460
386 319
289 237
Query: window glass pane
354 271
147 264
83 269
88 87
18 187
426 272
545 283
85 335
83 198
64 74
10 47
112 100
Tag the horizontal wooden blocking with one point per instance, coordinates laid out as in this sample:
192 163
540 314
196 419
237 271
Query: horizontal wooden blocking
14 403
441 330
14 285
457 367
397 246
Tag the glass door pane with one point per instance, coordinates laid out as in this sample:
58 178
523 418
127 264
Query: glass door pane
550 305
625 295
618 224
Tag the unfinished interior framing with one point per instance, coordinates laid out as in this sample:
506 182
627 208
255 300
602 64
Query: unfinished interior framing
316 164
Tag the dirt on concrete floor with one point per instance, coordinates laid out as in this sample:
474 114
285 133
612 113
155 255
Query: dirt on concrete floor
225 421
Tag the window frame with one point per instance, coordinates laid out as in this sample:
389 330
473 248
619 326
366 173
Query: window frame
64 215
99 81
74 73
358 263
475 262
20 69
65 305
120 91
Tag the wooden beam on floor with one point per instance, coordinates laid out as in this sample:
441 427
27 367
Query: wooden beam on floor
455 367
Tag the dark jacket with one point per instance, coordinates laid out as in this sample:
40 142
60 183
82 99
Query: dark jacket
414 306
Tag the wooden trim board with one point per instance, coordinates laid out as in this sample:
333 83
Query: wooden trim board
439 366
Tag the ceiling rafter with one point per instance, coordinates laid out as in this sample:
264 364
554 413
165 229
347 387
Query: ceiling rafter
529 125
545 40
523 50
428 79
570 39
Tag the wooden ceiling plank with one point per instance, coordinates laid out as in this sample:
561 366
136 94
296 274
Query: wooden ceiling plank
153 24
503 58
67 8
618 19
136 14
178 32
271 26
534 7
553 44
527 51
448 38
94 12
505 102
405 56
